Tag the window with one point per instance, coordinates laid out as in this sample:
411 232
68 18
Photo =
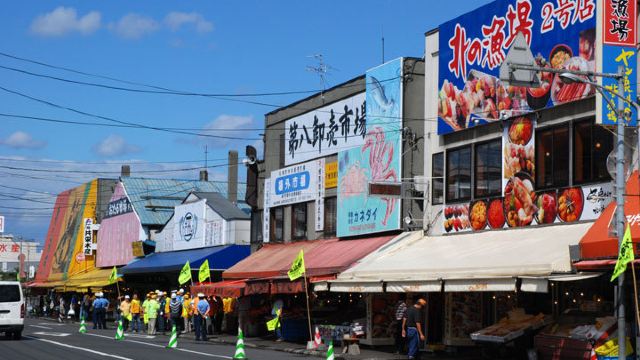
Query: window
277 224
552 157
9 293
330 216
299 223
437 178
459 174
591 146
488 163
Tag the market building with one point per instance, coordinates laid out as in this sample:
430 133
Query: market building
18 254
342 176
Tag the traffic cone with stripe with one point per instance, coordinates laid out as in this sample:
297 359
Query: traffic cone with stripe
173 340
330 351
317 340
83 326
120 331
240 346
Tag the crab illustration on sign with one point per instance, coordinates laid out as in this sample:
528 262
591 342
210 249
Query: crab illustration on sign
380 161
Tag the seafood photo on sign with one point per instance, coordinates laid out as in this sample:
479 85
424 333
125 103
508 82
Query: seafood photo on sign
519 196
518 148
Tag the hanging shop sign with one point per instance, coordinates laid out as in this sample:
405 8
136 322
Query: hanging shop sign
266 214
137 249
331 175
561 34
376 161
189 225
618 49
326 130
88 236
296 184
1 224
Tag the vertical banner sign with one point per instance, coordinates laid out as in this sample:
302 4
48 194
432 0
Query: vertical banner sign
518 171
560 33
617 46
265 212
331 175
320 196
88 236
1 224
376 161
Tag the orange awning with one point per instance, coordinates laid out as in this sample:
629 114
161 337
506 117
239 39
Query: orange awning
598 242
231 288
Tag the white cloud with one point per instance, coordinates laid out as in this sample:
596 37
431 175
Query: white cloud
114 145
65 20
22 140
175 20
134 26
232 128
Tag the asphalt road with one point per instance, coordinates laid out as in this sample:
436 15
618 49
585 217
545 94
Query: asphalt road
49 340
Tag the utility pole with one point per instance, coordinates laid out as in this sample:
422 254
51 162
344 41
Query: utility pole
620 189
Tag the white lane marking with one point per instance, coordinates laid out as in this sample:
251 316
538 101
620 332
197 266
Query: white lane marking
56 334
163 347
140 336
51 324
41 327
79 348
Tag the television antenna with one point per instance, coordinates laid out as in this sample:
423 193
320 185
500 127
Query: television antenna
322 69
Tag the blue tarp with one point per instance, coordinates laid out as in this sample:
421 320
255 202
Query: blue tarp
220 258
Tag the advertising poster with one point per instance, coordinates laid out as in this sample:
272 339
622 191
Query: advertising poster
326 131
561 35
119 228
376 161
296 184
189 225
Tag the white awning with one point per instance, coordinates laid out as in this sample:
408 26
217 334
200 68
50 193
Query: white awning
541 284
414 286
484 261
356 287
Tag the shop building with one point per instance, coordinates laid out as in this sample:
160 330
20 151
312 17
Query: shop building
18 254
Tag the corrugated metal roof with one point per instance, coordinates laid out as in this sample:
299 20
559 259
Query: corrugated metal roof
154 199
222 206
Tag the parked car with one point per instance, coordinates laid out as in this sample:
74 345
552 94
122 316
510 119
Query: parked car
12 309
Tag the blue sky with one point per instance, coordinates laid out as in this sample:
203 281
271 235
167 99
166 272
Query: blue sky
222 47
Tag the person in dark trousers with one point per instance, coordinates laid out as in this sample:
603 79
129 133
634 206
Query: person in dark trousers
400 314
199 319
175 312
162 300
413 326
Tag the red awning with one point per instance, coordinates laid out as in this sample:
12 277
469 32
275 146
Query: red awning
321 257
231 288
605 264
598 243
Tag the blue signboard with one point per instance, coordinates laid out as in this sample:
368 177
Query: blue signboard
292 183
376 161
561 34
614 56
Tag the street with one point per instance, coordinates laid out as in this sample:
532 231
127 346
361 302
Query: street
50 340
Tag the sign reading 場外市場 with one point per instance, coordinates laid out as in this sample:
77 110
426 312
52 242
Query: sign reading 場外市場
326 131
560 33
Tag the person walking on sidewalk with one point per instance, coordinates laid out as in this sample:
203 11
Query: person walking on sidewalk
401 312
413 326
152 311
135 314
199 320
175 312
162 302
125 312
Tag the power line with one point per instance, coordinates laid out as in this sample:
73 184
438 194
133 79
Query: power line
114 163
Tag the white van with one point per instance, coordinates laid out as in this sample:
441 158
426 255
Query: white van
12 309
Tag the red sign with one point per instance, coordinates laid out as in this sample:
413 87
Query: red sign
619 22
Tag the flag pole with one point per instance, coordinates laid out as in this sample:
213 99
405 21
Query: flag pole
635 292
306 293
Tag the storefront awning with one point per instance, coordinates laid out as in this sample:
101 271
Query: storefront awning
487 261
599 242
92 278
231 288
321 257
541 284
220 258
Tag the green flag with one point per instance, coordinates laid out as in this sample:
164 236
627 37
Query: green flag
18 275
204 271
625 256
185 273
113 278
273 324
297 267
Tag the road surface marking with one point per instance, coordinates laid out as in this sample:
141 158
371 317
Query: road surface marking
160 346
140 336
57 334
41 327
79 348
51 324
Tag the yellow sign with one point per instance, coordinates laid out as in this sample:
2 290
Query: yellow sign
204 273
137 248
625 256
297 267
185 273
331 175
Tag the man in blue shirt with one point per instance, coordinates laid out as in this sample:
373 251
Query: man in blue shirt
100 305
199 319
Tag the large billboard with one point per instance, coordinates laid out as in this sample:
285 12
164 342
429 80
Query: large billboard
378 160
326 131
561 34
189 225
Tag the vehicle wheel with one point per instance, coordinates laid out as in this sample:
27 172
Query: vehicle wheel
17 335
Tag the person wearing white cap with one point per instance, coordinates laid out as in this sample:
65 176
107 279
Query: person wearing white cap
100 306
199 320
125 312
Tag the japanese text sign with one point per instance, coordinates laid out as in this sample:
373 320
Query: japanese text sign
325 131
1 224
377 161
88 236
619 22
295 184
561 34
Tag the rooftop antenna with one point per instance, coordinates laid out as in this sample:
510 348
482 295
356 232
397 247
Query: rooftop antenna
382 43
206 152
322 69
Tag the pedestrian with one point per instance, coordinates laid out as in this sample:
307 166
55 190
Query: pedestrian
152 310
61 308
175 311
413 325
199 319
188 309
84 306
400 313
145 311
125 312
71 314
135 314
276 311
219 315
100 305
162 302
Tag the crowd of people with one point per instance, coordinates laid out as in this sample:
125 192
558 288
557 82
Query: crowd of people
156 312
